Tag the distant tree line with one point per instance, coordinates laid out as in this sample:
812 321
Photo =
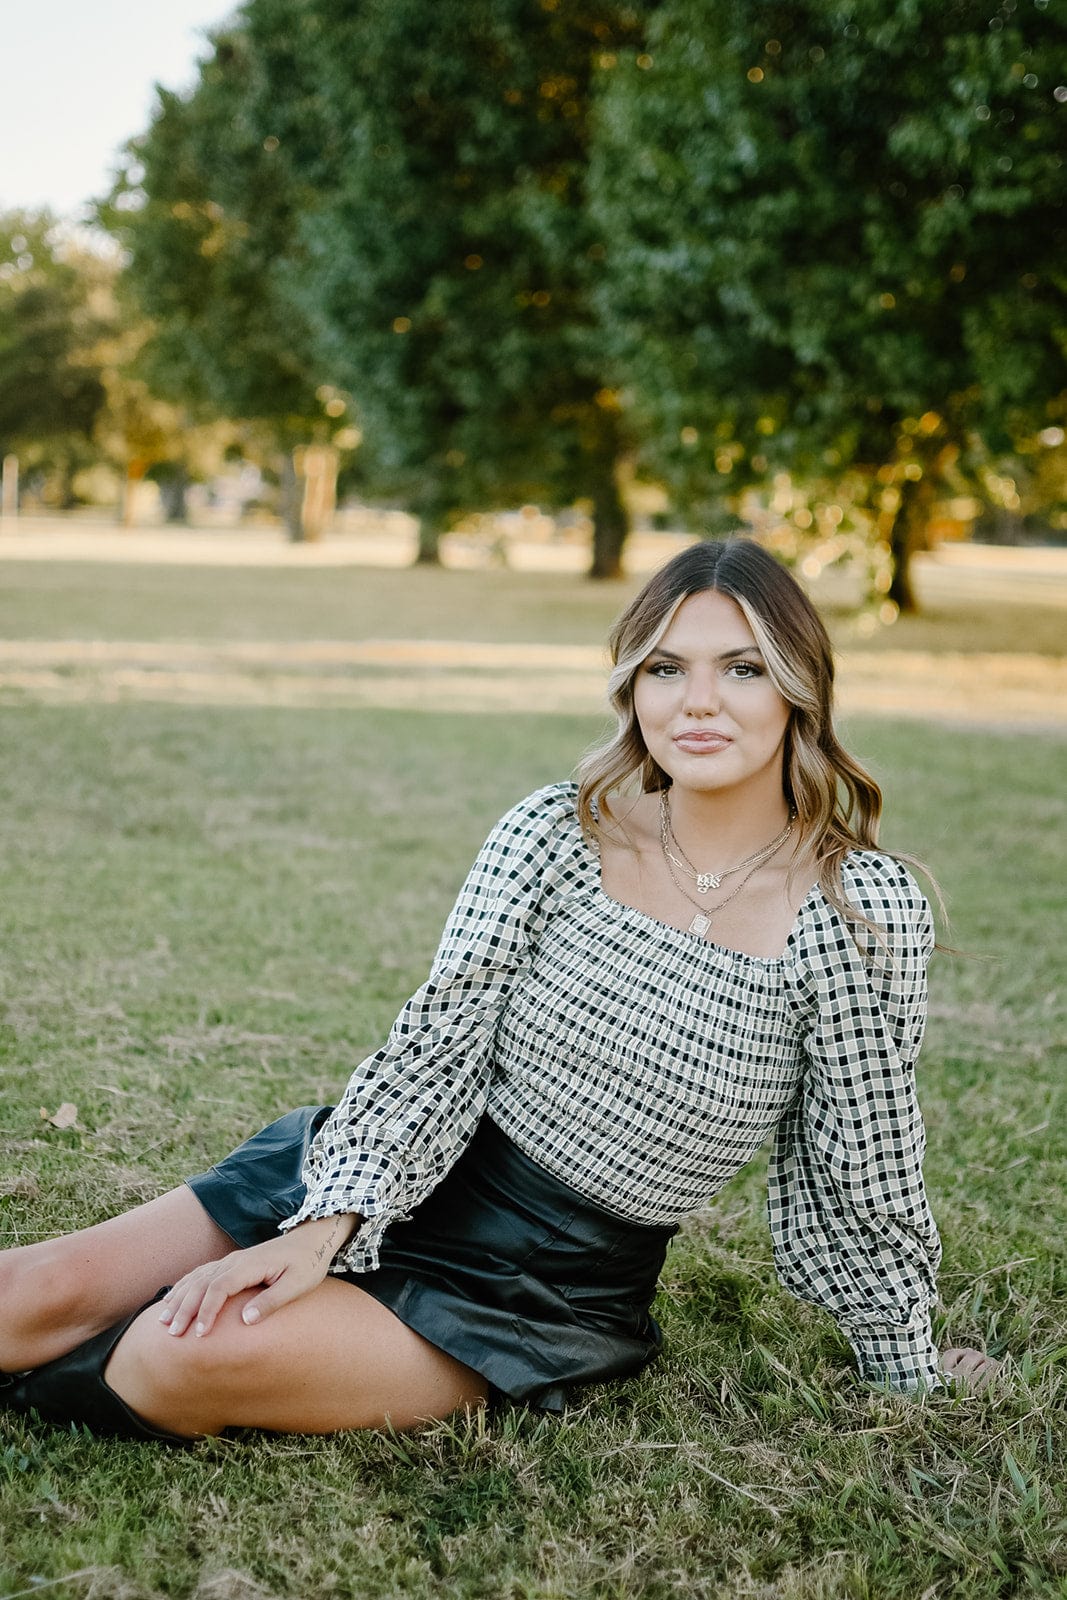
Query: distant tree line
801 260
72 397
51 388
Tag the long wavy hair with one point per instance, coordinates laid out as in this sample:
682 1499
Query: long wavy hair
836 802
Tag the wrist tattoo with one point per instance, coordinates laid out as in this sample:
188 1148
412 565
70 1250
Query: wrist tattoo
327 1245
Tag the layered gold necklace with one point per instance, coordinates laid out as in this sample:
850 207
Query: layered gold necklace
704 881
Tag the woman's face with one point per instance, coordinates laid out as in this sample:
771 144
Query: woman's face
708 711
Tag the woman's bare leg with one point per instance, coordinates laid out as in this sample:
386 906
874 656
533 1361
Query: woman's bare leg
61 1291
334 1359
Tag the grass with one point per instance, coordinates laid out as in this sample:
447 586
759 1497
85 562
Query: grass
88 600
210 914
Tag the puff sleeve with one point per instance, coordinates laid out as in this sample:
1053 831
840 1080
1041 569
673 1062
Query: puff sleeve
850 1224
410 1109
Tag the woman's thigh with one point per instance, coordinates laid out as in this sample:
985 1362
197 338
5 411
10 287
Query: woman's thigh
332 1360
60 1291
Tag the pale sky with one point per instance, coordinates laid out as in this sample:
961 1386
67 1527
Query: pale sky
77 80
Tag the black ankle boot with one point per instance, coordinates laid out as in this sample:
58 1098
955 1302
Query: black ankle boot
72 1389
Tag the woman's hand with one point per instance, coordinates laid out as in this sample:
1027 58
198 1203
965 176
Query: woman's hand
971 1369
290 1266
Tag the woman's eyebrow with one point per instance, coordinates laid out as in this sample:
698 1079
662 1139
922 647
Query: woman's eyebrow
742 650
726 655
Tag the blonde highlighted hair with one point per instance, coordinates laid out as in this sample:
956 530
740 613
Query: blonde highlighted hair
837 803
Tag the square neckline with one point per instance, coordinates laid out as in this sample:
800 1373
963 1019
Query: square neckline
694 940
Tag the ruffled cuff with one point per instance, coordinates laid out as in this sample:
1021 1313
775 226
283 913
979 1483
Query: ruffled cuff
898 1356
378 1207
360 1253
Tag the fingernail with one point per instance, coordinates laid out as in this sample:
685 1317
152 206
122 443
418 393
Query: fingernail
200 1330
165 1316
250 1314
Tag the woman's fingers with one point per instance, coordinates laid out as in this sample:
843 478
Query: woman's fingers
289 1285
182 1306
971 1367
225 1286
201 1294
173 1308
285 1265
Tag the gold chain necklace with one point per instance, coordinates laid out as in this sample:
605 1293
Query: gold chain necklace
711 880
701 923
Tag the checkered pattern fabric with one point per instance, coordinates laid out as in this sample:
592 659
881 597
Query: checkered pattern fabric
644 1066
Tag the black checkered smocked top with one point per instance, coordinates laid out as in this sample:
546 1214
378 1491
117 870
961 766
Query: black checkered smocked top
644 1066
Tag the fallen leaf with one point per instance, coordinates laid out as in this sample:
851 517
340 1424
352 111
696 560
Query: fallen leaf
65 1117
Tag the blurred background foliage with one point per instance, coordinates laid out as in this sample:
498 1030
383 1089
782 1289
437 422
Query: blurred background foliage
802 265
837 250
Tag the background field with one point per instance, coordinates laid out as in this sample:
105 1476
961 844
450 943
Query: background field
211 910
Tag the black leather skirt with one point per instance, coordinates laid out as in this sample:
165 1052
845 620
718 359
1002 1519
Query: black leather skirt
505 1267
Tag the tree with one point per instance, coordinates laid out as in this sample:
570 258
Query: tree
443 255
50 384
836 245
145 437
208 217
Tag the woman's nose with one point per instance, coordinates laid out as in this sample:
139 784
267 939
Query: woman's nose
701 693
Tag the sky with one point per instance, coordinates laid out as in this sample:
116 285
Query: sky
78 80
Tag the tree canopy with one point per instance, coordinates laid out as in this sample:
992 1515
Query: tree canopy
837 241
389 201
451 255
50 383
813 249
210 216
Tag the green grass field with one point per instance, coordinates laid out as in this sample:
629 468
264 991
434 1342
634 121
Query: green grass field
210 914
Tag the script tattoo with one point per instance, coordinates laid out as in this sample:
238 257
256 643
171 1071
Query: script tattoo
326 1247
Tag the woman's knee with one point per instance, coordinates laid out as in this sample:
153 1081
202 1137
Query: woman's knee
46 1293
185 1384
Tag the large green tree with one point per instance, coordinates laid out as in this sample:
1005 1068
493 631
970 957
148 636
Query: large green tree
449 256
837 244
389 200
50 382
209 213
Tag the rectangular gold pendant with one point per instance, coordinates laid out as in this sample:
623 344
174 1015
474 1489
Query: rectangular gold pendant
700 924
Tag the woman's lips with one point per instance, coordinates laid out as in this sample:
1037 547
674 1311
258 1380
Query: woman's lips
701 743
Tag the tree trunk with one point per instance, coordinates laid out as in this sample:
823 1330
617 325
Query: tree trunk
135 471
292 497
907 535
428 553
67 498
433 522
317 465
9 486
172 489
610 521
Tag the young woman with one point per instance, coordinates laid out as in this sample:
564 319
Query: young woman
645 976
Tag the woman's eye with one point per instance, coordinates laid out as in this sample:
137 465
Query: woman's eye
662 669
745 670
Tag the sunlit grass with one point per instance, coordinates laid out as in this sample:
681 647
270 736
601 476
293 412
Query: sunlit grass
88 600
